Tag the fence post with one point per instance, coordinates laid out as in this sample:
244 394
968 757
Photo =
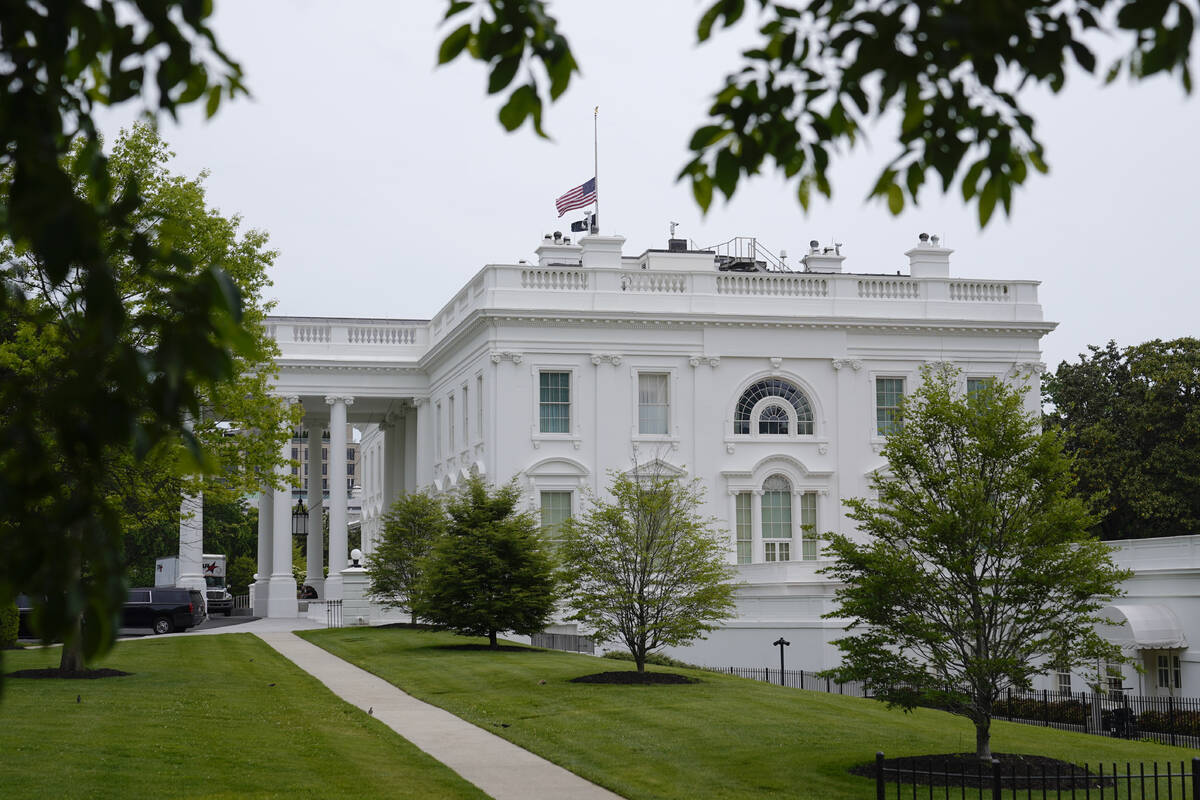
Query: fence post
1171 717
1195 777
880 793
1046 708
996 790
1084 707
1008 705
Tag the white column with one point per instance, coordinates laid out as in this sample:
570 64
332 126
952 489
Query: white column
281 598
315 545
337 494
191 543
410 451
258 592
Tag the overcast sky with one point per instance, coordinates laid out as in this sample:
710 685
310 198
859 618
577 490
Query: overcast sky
386 183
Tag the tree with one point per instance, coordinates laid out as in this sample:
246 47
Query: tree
491 571
237 428
646 568
1130 418
70 215
978 571
410 528
948 75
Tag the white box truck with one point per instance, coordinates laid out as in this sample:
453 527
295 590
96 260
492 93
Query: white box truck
212 567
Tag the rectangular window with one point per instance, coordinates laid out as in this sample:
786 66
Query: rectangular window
325 468
556 509
479 407
554 402
777 551
306 469
1177 672
295 454
350 453
976 385
1064 681
466 418
450 424
324 483
350 468
744 525
808 525
324 453
1164 672
653 406
1113 678
888 394
295 470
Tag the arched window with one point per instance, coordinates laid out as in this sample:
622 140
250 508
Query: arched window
773 418
777 518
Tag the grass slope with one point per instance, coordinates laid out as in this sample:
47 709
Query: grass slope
203 717
722 738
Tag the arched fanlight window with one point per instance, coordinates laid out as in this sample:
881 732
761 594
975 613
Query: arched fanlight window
773 419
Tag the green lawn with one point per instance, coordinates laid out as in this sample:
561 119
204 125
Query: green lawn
725 737
203 717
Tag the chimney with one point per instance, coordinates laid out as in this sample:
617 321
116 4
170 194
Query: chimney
929 259
557 250
827 259
602 251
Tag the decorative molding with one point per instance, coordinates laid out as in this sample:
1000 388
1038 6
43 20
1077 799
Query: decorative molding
853 363
876 447
606 358
292 399
776 362
506 355
711 361
730 447
331 399
823 448
1022 368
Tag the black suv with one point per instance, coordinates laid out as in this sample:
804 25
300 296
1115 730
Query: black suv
164 609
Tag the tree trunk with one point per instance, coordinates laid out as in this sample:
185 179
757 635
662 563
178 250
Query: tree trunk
413 621
492 640
983 739
72 649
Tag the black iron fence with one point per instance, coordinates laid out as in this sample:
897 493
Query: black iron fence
333 613
1170 720
796 679
928 777
570 642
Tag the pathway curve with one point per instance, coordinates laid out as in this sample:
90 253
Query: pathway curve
495 765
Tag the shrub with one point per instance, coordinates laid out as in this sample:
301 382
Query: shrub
1186 722
658 659
9 620
1069 712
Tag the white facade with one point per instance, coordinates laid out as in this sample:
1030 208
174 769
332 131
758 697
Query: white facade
766 386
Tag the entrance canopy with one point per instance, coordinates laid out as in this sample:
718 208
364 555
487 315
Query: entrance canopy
1142 627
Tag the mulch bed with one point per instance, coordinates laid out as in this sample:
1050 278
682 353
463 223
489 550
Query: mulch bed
83 674
965 769
633 678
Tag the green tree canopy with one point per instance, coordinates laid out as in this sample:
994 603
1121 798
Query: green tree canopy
1130 418
645 568
976 571
410 528
236 429
491 571
948 75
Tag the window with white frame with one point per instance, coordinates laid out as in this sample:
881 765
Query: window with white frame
554 402
653 403
1114 677
808 526
773 418
744 527
777 519
977 385
1170 674
1063 680
556 509
888 394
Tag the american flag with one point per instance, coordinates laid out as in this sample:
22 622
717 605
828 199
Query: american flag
582 195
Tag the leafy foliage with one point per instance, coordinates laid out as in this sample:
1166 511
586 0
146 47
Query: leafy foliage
491 571
10 622
949 74
978 569
645 568
1130 418
96 389
410 527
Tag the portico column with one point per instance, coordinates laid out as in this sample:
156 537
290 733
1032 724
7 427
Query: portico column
337 494
411 479
281 601
258 594
315 546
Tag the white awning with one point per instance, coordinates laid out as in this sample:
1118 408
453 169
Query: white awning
1142 627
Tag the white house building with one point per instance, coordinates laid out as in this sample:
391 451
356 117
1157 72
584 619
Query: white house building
775 388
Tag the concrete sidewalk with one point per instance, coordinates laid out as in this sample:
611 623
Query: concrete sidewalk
495 765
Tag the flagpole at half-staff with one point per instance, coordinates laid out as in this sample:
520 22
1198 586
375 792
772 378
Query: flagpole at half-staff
595 227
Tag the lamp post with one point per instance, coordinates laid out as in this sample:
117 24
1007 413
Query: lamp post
781 643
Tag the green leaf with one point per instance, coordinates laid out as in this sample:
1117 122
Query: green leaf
456 7
971 179
502 73
702 190
895 199
454 43
213 102
987 200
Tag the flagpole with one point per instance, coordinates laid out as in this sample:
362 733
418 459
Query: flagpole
596 165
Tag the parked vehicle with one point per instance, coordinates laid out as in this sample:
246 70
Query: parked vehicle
163 609
212 567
